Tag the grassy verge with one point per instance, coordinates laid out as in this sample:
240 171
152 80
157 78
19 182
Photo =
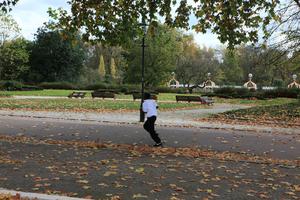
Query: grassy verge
255 102
83 104
286 114
58 93
5 95
161 97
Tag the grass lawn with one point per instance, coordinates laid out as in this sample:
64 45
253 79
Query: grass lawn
84 104
58 93
255 102
286 114
290 110
161 97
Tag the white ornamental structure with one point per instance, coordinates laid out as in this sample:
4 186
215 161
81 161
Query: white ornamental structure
209 85
172 81
294 84
250 84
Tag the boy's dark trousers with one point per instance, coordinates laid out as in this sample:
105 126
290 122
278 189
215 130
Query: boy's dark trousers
149 126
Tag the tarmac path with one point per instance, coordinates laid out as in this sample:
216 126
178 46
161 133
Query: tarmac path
111 173
282 146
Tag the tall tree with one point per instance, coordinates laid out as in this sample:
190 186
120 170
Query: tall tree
194 63
232 70
161 52
113 70
9 28
285 33
187 64
55 58
6 5
91 74
14 57
116 22
101 69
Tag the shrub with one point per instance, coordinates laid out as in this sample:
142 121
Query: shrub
96 86
260 94
105 87
278 83
129 89
230 92
11 85
282 92
31 88
162 89
17 86
58 85
5 95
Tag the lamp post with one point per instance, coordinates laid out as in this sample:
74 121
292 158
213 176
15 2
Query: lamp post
142 114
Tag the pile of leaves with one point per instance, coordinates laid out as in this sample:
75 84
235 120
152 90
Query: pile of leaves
147 150
14 197
84 105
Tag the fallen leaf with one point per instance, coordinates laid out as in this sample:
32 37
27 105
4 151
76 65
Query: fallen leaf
108 173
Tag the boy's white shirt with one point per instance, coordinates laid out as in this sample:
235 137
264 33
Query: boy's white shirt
149 107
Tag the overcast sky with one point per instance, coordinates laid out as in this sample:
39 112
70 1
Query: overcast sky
31 14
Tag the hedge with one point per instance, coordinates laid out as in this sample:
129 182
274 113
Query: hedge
17 86
58 85
230 92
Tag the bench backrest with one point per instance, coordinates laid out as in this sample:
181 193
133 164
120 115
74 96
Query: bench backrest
187 98
136 95
194 98
77 94
103 94
182 98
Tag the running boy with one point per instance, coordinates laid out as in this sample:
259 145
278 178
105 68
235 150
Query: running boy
150 107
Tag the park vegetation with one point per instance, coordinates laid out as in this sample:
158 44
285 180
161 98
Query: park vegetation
62 58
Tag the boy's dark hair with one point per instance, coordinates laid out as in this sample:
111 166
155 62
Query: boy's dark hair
147 95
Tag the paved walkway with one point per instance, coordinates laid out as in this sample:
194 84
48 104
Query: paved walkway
110 173
135 173
178 118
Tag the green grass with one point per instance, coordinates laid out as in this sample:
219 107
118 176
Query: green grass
82 104
161 97
5 95
65 93
58 93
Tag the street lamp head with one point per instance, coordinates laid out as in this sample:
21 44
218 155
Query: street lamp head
294 77
144 27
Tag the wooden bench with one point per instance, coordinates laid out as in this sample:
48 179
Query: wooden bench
188 98
202 100
77 95
103 94
136 96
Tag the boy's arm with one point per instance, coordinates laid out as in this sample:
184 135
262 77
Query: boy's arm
144 108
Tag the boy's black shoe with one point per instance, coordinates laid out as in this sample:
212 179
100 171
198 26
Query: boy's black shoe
157 145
